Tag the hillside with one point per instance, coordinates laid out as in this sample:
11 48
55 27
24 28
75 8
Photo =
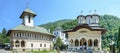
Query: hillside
52 25
110 22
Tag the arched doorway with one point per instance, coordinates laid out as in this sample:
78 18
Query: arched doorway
76 42
17 43
89 42
83 43
22 43
95 42
71 42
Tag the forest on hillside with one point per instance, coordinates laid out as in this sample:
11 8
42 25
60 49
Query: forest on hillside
110 22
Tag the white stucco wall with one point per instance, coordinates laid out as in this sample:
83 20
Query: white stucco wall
36 44
60 34
26 21
87 35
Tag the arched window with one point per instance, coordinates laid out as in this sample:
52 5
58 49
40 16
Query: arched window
96 42
17 43
88 20
97 20
17 34
40 45
20 35
83 42
44 45
89 42
81 19
35 36
22 43
71 41
76 42
31 44
29 19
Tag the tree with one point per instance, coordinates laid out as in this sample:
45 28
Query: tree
110 22
4 32
0 33
3 38
118 40
59 42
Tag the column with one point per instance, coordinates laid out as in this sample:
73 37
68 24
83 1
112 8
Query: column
86 44
19 43
99 43
73 43
14 43
93 44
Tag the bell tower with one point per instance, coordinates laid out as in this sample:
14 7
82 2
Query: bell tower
91 19
95 19
27 17
81 19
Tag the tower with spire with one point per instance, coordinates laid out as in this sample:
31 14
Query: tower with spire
27 17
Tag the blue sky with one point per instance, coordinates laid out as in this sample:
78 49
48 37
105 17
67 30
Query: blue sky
53 10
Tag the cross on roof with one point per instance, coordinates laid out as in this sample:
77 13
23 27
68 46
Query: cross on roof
81 12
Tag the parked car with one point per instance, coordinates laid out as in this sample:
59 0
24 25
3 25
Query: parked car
8 47
2 46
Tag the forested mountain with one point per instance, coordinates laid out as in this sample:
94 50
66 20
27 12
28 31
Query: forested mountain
53 25
110 22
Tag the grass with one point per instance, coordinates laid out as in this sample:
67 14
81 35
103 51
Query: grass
40 52
43 51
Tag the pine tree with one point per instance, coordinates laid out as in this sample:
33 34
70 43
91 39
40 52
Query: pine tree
4 32
118 40
59 42
3 38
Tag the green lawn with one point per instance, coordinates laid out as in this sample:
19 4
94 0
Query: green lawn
43 51
40 52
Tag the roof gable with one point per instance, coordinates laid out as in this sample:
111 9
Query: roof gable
87 27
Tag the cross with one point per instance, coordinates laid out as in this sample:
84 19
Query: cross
95 11
81 12
27 5
90 11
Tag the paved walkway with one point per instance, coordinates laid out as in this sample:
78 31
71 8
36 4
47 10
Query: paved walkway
4 51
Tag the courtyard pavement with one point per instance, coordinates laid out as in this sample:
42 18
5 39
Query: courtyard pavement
4 51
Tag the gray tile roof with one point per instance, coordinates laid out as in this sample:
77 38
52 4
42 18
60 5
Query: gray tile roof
33 29
29 11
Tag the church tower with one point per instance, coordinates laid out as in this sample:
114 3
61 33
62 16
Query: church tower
27 17
91 20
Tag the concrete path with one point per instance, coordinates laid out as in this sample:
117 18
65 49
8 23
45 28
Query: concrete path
5 51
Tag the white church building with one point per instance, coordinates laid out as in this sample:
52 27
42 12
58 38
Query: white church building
27 37
87 34
58 32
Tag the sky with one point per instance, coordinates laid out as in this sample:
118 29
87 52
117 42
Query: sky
53 10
